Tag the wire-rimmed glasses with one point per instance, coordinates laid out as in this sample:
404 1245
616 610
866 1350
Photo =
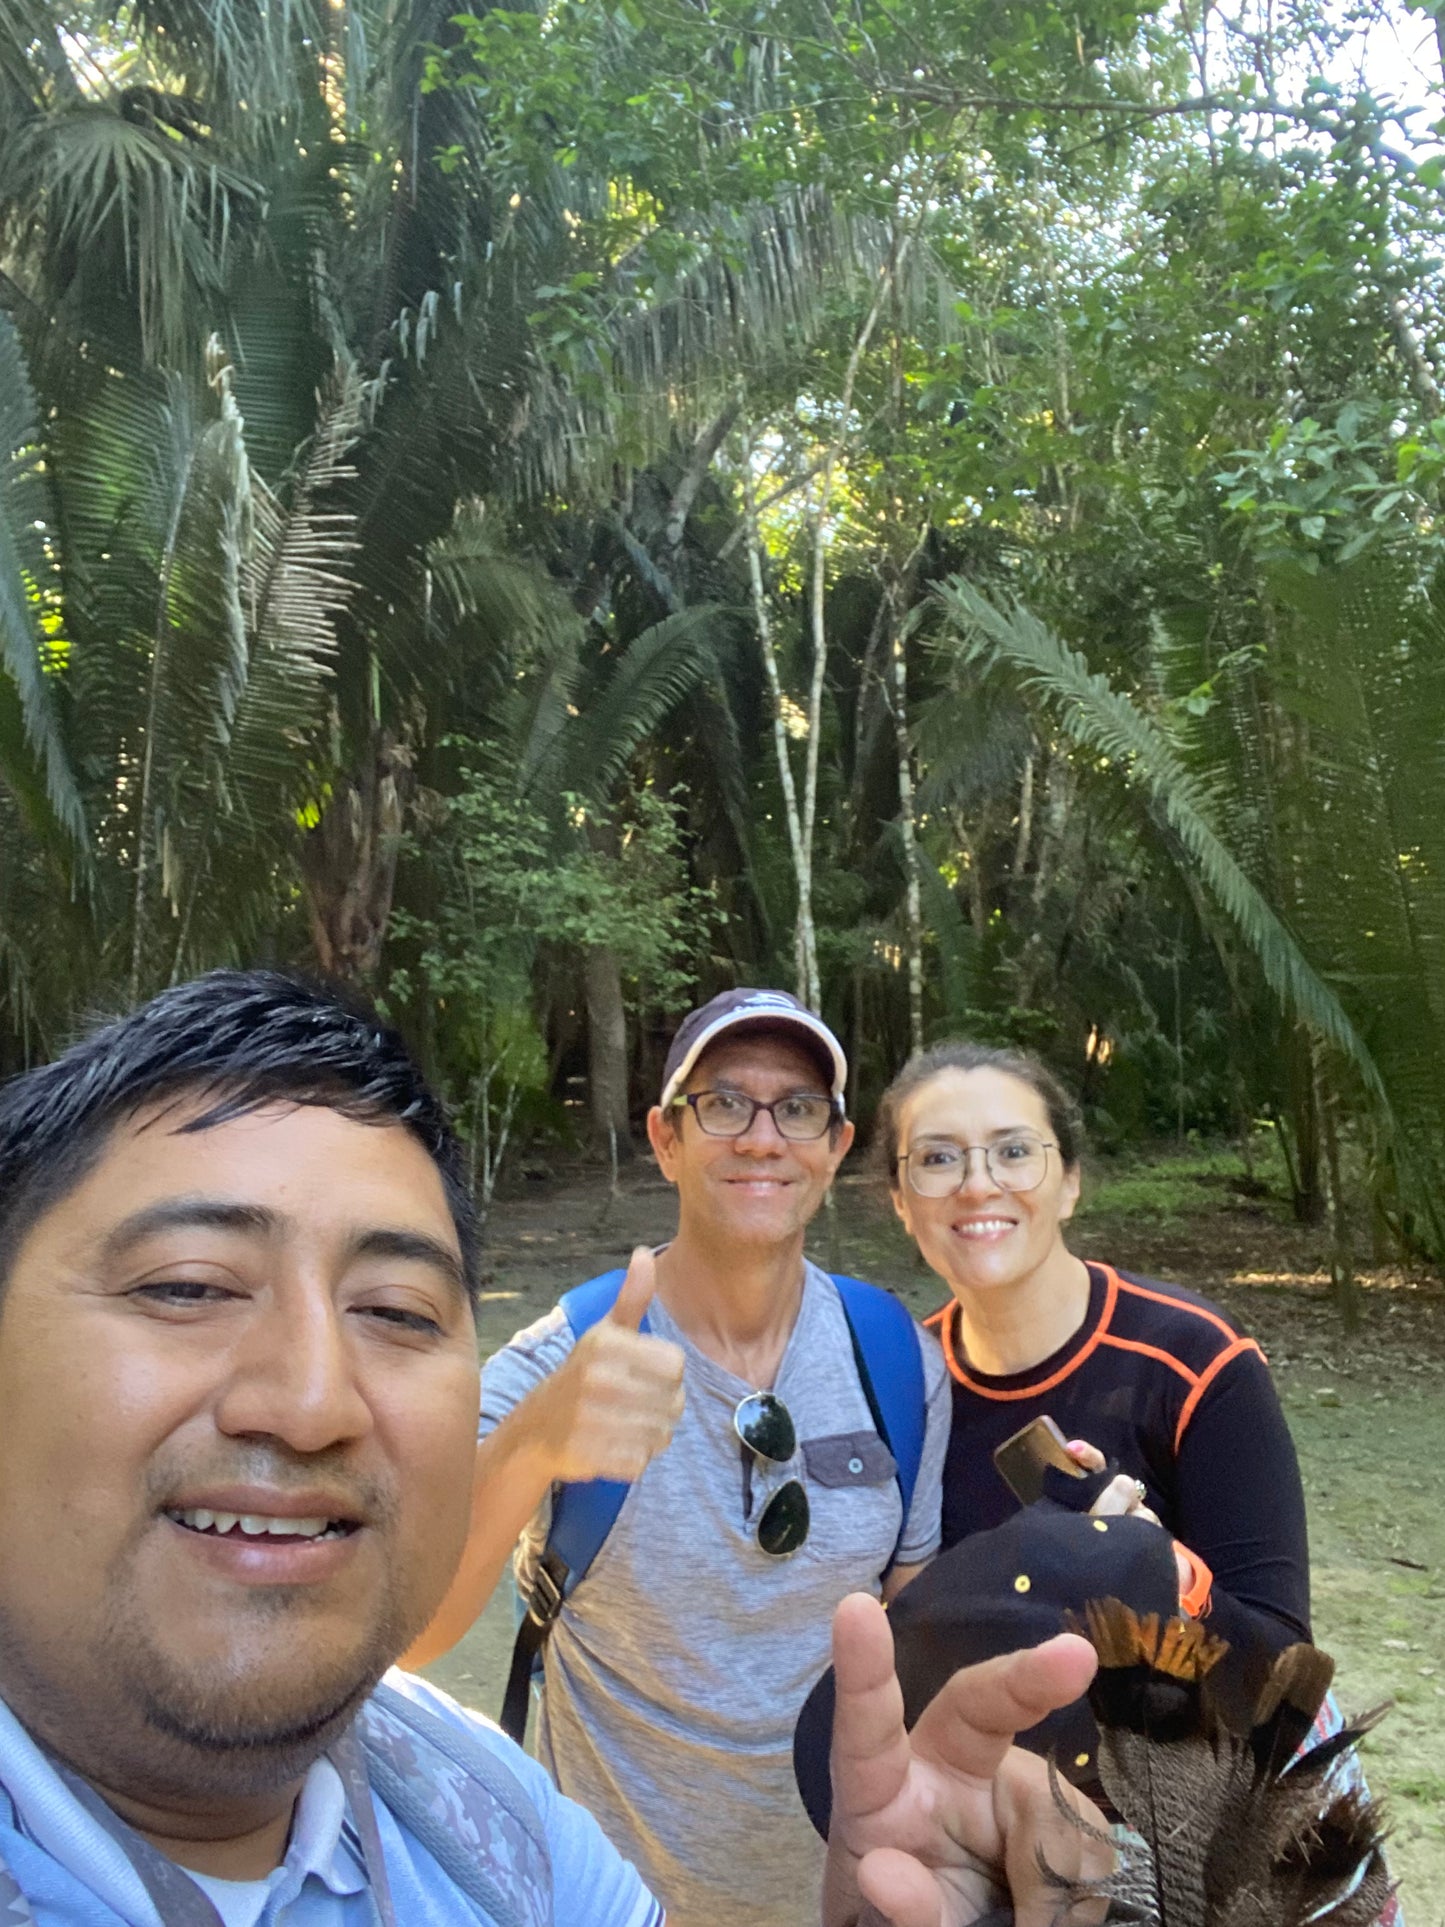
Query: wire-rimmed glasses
938 1167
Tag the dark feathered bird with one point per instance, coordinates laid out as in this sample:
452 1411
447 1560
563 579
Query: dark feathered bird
1241 1827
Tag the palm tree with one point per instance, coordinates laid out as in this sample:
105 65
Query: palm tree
237 287
1359 963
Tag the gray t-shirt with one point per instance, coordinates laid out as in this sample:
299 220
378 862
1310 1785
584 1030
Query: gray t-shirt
674 1676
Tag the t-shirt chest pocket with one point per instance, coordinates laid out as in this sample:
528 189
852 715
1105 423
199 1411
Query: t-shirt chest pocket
849 1458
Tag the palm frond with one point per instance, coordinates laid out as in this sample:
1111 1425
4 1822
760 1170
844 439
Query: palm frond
1105 722
234 50
202 613
33 756
197 666
282 336
496 593
127 195
769 281
1361 672
292 582
655 673
971 744
48 948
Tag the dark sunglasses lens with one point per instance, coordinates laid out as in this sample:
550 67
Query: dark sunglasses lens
784 1524
765 1426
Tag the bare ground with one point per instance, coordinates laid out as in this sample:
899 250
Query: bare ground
1368 1415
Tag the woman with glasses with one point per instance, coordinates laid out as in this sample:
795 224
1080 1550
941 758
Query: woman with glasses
982 1151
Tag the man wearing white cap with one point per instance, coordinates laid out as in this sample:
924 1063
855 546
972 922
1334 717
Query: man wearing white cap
681 1651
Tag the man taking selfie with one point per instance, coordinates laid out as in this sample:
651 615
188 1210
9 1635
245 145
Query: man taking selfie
239 1388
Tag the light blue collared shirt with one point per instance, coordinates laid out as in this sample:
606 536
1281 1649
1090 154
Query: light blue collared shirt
323 1861
76 1874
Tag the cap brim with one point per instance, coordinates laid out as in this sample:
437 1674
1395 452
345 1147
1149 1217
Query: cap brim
961 1609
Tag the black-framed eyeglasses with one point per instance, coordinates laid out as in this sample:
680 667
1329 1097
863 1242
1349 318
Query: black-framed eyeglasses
765 1426
938 1167
799 1117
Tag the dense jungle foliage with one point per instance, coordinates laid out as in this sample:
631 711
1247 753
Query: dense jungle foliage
547 512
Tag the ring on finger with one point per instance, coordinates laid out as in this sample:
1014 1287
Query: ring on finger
1141 1491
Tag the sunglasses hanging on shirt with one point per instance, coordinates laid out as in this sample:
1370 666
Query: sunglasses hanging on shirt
765 1427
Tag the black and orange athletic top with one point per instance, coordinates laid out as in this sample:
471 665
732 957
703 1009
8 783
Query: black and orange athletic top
1161 1381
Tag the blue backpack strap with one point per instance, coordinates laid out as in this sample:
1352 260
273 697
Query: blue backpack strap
890 1368
587 1304
582 1516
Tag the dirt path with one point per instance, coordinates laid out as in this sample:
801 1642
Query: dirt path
1368 1417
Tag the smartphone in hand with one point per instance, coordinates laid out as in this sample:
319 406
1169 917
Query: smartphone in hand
1023 1459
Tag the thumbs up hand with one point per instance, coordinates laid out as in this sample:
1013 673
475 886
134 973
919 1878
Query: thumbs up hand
611 1408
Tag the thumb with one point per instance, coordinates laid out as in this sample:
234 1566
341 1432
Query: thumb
637 1289
902 1890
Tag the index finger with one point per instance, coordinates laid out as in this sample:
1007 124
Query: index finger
870 1743
970 1724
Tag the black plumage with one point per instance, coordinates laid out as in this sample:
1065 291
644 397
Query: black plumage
1239 1826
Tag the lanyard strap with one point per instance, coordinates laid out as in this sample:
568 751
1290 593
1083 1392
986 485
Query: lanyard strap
350 1762
177 1898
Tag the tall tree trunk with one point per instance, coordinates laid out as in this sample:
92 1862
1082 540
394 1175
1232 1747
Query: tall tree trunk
805 942
348 862
1049 836
1309 1193
817 600
972 862
908 827
607 1050
1024 842
896 596
704 449
1343 1287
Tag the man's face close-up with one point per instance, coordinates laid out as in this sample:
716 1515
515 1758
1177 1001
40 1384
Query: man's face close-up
238 1376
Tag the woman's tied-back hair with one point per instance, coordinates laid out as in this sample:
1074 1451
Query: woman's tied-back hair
240 1039
957 1054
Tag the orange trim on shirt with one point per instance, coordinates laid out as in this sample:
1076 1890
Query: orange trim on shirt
946 1330
1198 1382
1206 1379
1179 1304
1153 1351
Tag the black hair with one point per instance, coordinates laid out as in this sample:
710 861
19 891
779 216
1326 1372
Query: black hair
957 1054
243 1038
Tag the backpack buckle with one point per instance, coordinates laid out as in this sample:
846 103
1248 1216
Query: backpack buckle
547 1590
